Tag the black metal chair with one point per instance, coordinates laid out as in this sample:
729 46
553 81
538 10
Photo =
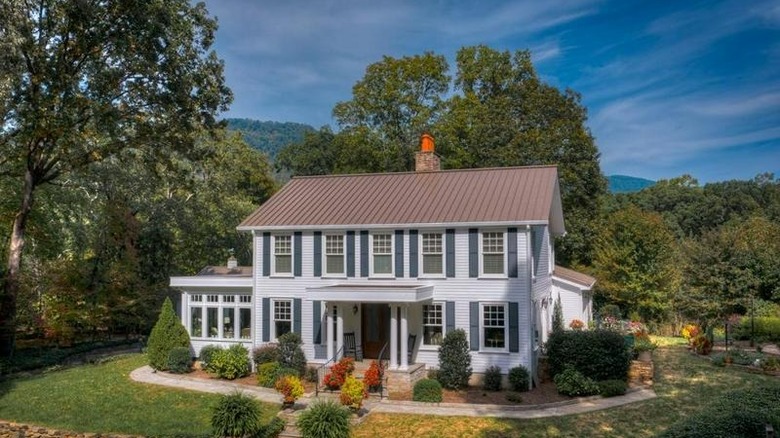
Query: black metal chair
351 348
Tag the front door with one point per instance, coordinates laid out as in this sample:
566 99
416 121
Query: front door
375 329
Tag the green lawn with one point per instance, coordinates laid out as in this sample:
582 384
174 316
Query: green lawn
684 384
102 398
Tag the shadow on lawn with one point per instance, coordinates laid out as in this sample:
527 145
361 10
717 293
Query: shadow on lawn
6 385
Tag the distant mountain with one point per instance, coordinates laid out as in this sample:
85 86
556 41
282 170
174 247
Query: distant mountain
627 184
269 137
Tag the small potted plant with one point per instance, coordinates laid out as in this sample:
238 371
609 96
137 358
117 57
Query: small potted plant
644 349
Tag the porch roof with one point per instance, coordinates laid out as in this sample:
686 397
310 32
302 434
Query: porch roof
372 292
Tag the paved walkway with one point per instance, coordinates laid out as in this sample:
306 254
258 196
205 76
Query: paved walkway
578 406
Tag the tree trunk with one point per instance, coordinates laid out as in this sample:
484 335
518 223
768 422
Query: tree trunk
10 286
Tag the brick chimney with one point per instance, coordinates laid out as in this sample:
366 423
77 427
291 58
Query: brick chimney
426 160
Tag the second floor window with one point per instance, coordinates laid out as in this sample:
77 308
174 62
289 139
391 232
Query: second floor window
382 250
334 254
432 254
493 253
283 254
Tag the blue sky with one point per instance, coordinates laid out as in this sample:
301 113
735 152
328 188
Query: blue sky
671 87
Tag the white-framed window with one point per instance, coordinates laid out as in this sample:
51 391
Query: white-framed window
334 254
493 326
382 254
432 251
282 260
282 317
493 254
433 324
222 316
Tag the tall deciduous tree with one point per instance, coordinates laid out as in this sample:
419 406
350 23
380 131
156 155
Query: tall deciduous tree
83 80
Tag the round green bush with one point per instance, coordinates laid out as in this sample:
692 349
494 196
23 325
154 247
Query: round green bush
231 363
265 354
427 390
325 419
167 334
597 354
291 354
206 353
454 360
236 415
180 360
572 383
268 373
492 381
519 378
612 388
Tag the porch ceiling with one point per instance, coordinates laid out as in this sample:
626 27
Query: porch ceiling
372 293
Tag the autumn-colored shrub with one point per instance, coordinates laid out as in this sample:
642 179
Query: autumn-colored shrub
373 376
339 372
690 331
353 391
290 387
702 345
576 324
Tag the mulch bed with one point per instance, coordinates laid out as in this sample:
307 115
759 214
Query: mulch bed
250 380
544 393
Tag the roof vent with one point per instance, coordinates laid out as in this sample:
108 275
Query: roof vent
426 160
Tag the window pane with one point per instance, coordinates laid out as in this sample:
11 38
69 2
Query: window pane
431 243
334 245
282 245
283 264
432 335
282 327
229 298
212 323
334 264
493 322
432 264
245 323
493 263
383 264
383 244
228 323
196 322
493 242
494 337
432 324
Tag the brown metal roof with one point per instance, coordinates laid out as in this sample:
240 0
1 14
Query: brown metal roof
239 271
574 276
493 195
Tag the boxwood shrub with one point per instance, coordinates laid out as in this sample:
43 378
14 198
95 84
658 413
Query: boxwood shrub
572 383
231 363
206 353
427 390
265 354
492 380
612 388
597 354
519 378
180 360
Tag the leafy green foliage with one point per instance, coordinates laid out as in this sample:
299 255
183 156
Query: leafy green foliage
291 354
236 415
272 429
519 378
268 373
557 319
427 390
597 354
180 360
207 353
573 383
492 379
166 335
26 359
454 360
230 363
265 354
612 388
324 419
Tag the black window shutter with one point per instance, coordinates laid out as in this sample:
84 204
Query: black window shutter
474 325
297 303
350 253
450 249
364 253
298 253
473 253
317 321
449 315
318 253
399 253
514 329
266 254
413 264
266 319
512 268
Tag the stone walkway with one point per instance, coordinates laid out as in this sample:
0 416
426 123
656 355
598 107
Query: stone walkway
577 406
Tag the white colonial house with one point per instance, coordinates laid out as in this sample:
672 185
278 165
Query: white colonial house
395 261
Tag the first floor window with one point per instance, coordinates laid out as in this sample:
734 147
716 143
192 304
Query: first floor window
283 254
282 317
212 323
432 324
432 254
334 254
245 322
493 253
196 322
494 326
228 323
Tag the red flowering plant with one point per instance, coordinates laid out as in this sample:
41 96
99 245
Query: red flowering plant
338 373
576 324
373 376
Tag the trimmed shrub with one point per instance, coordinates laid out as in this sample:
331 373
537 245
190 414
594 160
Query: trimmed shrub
743 412
492 381
766 328
702 345
373 376
206 353
273 429
236 415
325 419
291 354
519 379
597 354
268 374
290 387
231 363
454 360
265 354
180 360
612 388
352 393
573 383
311 374
427 390
167 334
339 372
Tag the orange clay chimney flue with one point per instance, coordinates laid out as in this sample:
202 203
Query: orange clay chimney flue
425 159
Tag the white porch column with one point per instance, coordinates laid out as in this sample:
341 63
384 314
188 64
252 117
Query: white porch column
393 337
328 329
340 331
404 337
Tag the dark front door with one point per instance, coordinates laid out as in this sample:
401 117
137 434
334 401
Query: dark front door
375 329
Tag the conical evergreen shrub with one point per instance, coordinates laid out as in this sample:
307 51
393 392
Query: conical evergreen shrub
166 335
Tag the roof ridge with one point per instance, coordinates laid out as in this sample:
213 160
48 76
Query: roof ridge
412 172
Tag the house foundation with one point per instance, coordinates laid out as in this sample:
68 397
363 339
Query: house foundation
404 380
